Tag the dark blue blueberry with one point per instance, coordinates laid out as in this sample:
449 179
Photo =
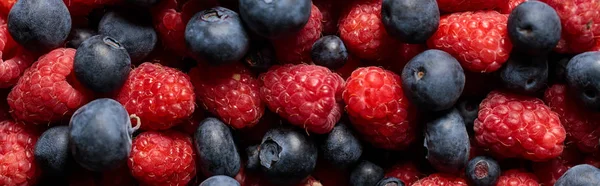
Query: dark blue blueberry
534 28
410 21
580 175
447 142
133 30
483 171
52 151
557 67
261 58
253 162
390 181
366 174
101 64
330 52
217 35
78 36
217 152
525 74
287 155
39 25
341 147
469 109
583 77
100 135
220 181
274 18
433 80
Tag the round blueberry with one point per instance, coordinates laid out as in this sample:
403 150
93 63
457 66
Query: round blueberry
341 147
583 77
39 25
433 80
261 58
584 174
366 173
390 181
217 152
220 181
253 162
330 52
534 27
100 135
525 74
133 30
557 64
482 171
469 110
274 18
447 142
78 36
410 21
101 64
52 151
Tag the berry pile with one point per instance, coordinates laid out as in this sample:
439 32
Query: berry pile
300 92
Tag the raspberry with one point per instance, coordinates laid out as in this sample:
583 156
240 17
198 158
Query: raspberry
378 108
190 125
363 32
582 126
509 5
84 7
331 13
48 92
5 6
517 177
11 69
308 96
470 5
162 158
351 64
404 54
518 126
478 40
592 159
407 172
296 48
323 172
441 179
310 181
17 143
161 96
548 172
580 20
230 92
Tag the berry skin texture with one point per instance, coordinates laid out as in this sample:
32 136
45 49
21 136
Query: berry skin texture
330 52
580 175
517 177
583 78
580 20
217 153
308 96
52 151
378 108
441 179
482 171
12 69
450 6
46 93
511 125
230 92
478 40
296 48
162 158
341 147
548 172
407 172
534 28
410 21
272 19
447 142
17 144
509 5
366 173
390 181
133 31
220 180
78 36
525 74
161 96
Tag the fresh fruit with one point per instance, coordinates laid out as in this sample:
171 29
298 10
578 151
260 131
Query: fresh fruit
390 181
341 147
482 171
525 74
220 181
217 36
580 175
217 153
468 107
308 96
330 52
260 58
17 146
583 79
133 31
447 142
534 28
52 152
508 6
441 179
14 59
101 64
366 173
471 5
273 19
408 172
330 9
433 80
517 177
580 21
410 21
296 48
548 172
78 36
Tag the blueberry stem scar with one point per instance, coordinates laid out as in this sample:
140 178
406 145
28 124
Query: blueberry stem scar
137 124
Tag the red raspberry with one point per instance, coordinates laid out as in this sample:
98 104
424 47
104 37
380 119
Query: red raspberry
512 125
351 64
517 177
190 125
363 32
308 96
478 40
404 54
230 92
249 178
4 108
597 46
329 175
12 69
378 108
310 181
84 7
48 92
450 6
330 9
441 179
580 20
161 96
548 172
582 126
296 48
509 5
407 172
162 158
17 143
592 159
5 6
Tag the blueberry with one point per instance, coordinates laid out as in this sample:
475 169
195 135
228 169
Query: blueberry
220 181
39 25
217 152
341 147
78 36
483 171
580 175
583 77
557 67
101 64
525 74
433 80
52 151
534 27
134 32
410 21
330 52
274 18
100 135
253 162
261 58
390 181
287 156
366 174
447 142
469 110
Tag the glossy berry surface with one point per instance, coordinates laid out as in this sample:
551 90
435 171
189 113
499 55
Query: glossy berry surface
330 52
481 171
273 19
410 21
217 153
102 64
133 31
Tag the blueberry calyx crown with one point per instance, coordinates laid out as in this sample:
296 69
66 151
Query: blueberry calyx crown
112 42
213 15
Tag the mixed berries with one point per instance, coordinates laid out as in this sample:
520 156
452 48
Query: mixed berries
300 92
